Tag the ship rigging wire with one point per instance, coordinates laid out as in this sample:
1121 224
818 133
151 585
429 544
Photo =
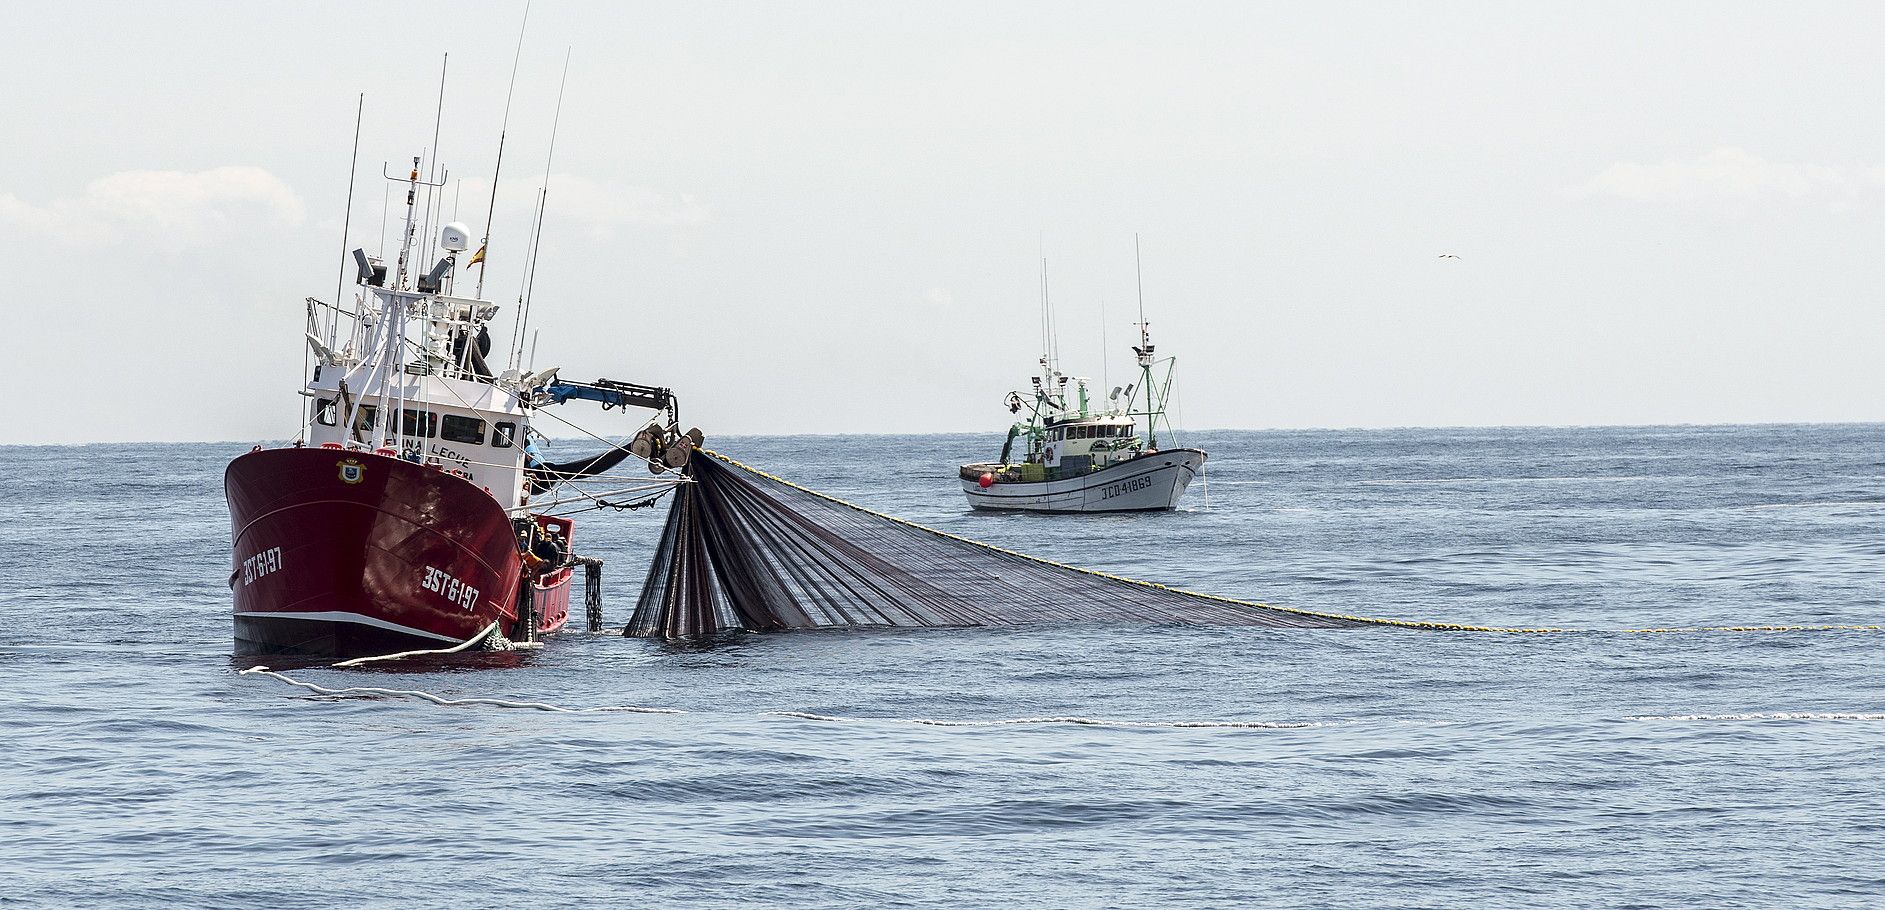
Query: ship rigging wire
346 223
497 170
599 503
543 203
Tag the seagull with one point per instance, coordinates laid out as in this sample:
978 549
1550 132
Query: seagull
1448 256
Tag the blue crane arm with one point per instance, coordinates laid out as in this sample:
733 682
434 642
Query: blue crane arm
612 394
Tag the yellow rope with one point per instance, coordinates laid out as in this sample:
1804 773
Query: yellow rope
1371 620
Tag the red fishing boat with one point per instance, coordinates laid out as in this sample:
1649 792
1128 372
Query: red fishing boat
413 511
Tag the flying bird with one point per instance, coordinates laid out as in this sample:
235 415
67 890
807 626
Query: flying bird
1448 256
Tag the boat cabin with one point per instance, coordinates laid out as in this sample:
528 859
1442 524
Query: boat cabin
477 436
1081 444
403 374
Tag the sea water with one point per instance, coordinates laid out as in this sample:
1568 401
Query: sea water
1078 766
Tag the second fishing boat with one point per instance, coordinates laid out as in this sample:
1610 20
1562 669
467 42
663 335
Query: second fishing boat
1077 458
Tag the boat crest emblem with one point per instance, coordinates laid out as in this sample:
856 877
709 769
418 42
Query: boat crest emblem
352 471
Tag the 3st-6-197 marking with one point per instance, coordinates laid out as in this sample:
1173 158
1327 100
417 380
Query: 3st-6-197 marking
261 564
459 593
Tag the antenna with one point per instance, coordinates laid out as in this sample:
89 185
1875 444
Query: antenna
386 202
1138 271
413 183
346 222
1047 320
543 205
432 168
485 244
1053 330
1105 380
353 170
523 279
1050 358
1050 339
1144 352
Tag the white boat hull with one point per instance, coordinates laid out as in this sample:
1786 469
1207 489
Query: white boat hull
1155 481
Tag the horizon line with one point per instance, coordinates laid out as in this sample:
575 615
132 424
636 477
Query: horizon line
1305 429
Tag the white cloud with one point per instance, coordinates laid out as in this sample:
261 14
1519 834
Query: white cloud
175 207
1725 176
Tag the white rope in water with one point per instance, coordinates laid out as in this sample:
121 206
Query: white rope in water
1772 715
380 692
471 642
1077 721
377 692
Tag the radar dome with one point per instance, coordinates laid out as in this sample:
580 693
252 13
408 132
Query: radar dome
455 237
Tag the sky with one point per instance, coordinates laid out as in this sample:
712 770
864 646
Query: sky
828 218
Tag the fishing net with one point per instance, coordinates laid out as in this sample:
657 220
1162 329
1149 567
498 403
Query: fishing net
745 550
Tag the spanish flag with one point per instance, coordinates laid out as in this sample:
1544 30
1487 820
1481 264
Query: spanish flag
477 257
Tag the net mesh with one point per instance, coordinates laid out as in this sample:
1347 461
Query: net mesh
745 550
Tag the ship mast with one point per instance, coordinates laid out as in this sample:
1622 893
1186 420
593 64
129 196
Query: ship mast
1144 352
1051 389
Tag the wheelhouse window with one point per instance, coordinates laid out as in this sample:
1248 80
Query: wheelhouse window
503 435
366 417
454 428
325 412
418 423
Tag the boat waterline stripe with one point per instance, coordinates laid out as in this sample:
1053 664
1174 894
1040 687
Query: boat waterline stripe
1075 495
993 493
344 616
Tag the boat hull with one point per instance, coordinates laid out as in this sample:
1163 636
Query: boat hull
348 553
1154 481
